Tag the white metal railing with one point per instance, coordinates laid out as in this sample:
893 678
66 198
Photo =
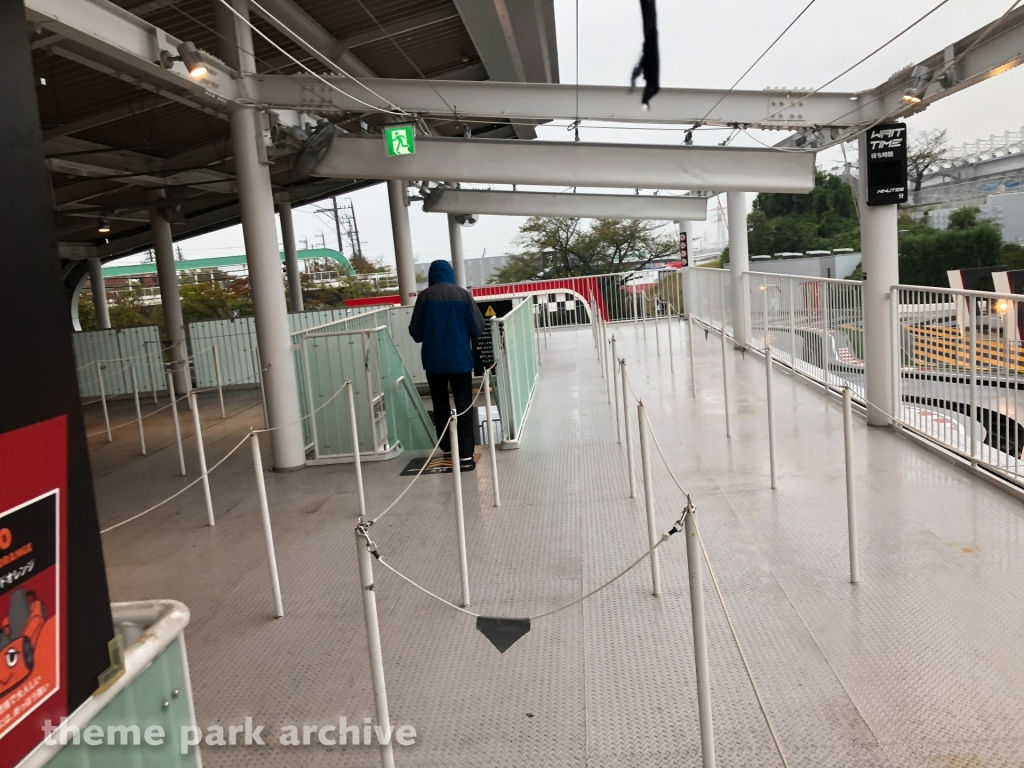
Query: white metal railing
709 296
620 296
816 325
960 372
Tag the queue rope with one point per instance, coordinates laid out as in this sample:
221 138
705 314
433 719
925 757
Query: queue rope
248 435
718 589
417 476
151 413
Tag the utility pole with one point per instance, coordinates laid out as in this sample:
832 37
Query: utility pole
337 224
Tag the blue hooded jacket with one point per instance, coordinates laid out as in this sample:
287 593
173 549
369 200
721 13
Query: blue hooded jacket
445 320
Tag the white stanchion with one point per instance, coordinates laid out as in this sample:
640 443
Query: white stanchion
380 696
689 344
615 392
202 458
700 641
186 371
725 384
460 520
103 399
263 391
537 337
174 417
652 525
268 533
490 437
771 412
356 457
152 370
657 328
220 383
625 427
138 412
851 505
671 356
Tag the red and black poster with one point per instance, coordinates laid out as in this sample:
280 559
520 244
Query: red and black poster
33 656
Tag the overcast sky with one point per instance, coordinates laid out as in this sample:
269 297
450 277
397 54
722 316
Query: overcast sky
709 45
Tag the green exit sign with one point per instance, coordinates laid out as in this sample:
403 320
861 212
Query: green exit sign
399 140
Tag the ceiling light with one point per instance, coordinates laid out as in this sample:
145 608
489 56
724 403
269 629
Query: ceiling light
917 84
104 227
188 55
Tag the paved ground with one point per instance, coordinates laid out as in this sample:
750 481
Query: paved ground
918 666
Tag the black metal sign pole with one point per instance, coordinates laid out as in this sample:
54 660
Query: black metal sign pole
42 438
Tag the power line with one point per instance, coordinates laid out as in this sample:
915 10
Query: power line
756 61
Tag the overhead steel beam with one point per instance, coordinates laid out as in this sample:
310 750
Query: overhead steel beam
576 206
103 118
126 43
547 163
530 101
399 27
305 31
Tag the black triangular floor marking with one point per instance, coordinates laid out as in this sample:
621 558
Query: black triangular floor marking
502 632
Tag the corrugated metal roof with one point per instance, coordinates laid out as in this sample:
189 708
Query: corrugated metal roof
188 265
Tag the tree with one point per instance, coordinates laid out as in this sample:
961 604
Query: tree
565 247
964 218
822 220
926 149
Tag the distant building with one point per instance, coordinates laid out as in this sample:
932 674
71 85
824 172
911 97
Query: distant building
840 263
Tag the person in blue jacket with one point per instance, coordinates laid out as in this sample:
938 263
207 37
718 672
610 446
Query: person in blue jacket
445 321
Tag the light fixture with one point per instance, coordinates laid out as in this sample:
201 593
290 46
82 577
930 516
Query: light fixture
188 55
1002 305
104 227
467 219
917 83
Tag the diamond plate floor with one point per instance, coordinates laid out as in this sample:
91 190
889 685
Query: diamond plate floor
918 666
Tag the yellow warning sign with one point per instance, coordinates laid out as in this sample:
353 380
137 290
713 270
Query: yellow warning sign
490 312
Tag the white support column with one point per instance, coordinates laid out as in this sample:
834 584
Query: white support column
291 257
404 264
99 293
170 298
739 263
259 231
881 268
458 260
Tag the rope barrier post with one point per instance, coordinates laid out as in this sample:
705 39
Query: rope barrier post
851 505
263 391
671 357
725 383
186 371
609 384
689 343
380 695
356 457
657 327
138 412
152 371
103 399
202 458
490 436
615 393
268 533
771 412
700 640
625 426
536 337
177 426
220 383
460 521
643 316
652 533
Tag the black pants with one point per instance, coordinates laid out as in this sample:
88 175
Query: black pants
462 391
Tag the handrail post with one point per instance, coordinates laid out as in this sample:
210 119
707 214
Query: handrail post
177 425
625 426
460 520
490 436
652 525
138 411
